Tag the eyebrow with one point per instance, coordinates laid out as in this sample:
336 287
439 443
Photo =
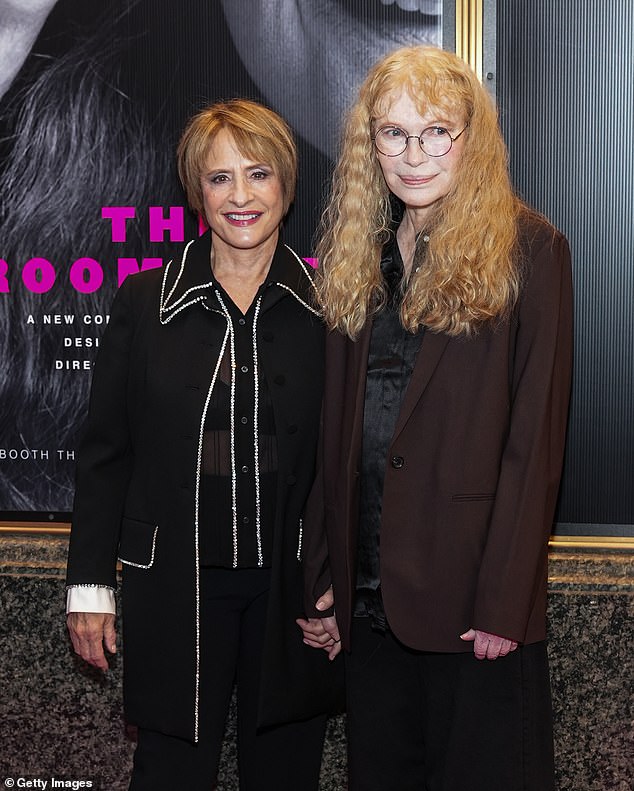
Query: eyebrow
256 166
444 122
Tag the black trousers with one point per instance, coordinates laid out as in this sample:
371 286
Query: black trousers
421 721
287 758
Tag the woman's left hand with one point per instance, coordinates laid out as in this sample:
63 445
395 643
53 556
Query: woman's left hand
487 645
322 632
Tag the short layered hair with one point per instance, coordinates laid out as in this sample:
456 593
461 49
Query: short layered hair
259 133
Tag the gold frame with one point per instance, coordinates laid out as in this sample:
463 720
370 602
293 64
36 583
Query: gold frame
35 528
555 543
469 16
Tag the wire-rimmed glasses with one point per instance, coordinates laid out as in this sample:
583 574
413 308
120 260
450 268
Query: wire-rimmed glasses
435 141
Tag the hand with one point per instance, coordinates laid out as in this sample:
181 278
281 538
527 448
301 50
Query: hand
89 632
322 632
487 645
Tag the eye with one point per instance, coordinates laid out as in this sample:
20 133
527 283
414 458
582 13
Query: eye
260 174
219 178
435 132
391 133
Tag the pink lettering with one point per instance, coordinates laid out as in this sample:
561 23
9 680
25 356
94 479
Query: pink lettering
4 280
174 223
314 262
86 275
130 266
118 215
38 275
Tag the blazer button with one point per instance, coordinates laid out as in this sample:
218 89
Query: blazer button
397 462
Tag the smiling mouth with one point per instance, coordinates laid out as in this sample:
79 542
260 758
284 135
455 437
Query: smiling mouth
403 11
416 180
422 6
243 218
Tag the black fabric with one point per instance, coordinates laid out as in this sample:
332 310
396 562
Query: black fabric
446 722
139 463
287 758
391 360
216 535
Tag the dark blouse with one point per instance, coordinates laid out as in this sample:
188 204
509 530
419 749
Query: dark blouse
243 475
391 360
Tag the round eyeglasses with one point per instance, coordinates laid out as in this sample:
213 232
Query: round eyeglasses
435 140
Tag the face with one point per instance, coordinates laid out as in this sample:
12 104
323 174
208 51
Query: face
243 199
419 180
308 68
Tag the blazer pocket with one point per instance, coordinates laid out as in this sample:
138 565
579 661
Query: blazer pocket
137 543
472 498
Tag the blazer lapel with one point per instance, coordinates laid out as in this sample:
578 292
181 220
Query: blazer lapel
357 371
431 350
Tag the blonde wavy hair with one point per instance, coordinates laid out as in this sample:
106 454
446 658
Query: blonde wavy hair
468 272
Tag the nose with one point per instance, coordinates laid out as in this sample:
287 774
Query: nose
241 193
414 154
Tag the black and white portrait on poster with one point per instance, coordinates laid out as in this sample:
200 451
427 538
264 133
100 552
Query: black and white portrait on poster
93 97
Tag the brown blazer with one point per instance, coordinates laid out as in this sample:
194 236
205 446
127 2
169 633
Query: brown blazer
472 470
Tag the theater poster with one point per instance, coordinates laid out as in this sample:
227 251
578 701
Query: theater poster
93 97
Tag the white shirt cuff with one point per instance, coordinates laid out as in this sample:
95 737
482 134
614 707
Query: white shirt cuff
90 598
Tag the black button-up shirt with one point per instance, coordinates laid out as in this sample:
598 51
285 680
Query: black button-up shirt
239 459
391 360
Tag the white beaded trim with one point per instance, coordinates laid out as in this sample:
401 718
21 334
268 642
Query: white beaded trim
232 421
144 565
201 434
256 439
181 302
89 585
299 540
305 270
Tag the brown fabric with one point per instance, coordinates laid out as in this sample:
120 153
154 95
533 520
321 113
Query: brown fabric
472 473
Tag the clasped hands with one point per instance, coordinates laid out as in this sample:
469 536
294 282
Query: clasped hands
324 633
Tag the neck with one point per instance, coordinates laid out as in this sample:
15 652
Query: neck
250 264
241 272
406 236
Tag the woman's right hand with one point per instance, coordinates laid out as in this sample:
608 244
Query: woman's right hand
322 632
89 632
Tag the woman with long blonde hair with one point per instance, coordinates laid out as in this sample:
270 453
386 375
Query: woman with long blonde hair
447 384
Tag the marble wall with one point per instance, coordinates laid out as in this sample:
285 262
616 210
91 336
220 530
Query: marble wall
61 719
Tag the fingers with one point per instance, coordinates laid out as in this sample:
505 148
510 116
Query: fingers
326 601
88 632
487 645
314 632
110 635
321 633
334 650
330 625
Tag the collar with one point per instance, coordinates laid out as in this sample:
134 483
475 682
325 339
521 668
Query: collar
191 280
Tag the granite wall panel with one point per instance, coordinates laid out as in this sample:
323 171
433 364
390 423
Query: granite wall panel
59 718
